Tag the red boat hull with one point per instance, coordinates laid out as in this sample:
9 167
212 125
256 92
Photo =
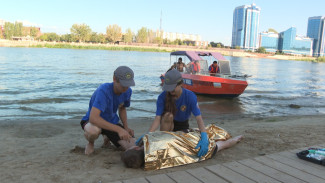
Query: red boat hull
211 85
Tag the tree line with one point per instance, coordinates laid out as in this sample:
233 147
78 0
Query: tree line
83 33
17 29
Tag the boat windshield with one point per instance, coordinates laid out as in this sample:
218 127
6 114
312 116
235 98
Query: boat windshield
203 65
198 63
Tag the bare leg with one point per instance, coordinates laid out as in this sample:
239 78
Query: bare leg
167 122
106 142
91 134
228 143
127 144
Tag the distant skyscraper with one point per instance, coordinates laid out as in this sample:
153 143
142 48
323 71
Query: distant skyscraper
245 27
315 30
290 43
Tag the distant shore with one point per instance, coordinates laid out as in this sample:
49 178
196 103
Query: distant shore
52 150
148 48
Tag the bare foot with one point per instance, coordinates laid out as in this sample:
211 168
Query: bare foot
89 148
238 138
229 143
107 142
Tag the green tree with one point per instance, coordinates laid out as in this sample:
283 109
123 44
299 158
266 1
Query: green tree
102 38
43 37
128 36
272 30
33 32
237 47
261 50
18 30
151 36
142 35
9 29
94 37
114 33
218 45
97 38
67 38
81 32
320 59
166 41
50 37
53 37
158 40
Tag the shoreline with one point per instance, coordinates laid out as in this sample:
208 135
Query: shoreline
52 149
149 48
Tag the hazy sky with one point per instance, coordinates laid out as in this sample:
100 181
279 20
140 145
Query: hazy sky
212 19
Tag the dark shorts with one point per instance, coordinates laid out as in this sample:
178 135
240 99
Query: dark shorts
181 126
214 151
113 136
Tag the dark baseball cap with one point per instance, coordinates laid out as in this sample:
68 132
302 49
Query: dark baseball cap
172 77
125 76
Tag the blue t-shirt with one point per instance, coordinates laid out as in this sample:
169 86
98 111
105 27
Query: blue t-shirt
108 102
185 104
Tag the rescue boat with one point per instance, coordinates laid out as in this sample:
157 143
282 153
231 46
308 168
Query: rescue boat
221 84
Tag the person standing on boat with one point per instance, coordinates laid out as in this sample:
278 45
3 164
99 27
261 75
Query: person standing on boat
195 67
214 68
180 65
102 118
174 107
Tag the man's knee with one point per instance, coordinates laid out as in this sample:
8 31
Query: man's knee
92 131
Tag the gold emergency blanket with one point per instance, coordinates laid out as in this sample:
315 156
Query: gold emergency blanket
168 149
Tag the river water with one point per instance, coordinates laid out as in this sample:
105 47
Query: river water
42 83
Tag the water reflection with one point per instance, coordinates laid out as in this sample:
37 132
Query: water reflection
214 107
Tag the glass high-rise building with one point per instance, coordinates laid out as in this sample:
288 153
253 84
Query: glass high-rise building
245 27
286 42
315 30
269 40
290 43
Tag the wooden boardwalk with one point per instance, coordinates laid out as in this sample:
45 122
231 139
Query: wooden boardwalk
279 167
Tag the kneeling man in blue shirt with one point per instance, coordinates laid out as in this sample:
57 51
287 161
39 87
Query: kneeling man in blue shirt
174 107
102 117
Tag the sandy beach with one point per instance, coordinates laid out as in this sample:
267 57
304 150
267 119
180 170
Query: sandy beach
53 150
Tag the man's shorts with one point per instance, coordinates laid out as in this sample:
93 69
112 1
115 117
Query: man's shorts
181 126
113 136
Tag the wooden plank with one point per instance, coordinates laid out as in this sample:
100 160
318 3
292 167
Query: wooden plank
136 180
289 170
248 172
228 174
160 178
182 177
293 156
298 165
275 174
205 175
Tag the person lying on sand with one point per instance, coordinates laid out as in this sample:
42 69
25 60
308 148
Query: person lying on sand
164 149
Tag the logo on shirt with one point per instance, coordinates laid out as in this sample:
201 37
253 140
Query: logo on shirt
183 108
197 105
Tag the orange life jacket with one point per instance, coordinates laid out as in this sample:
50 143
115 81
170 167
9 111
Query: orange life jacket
195 67
213 69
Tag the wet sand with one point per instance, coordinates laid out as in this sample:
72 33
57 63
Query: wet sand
53 150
